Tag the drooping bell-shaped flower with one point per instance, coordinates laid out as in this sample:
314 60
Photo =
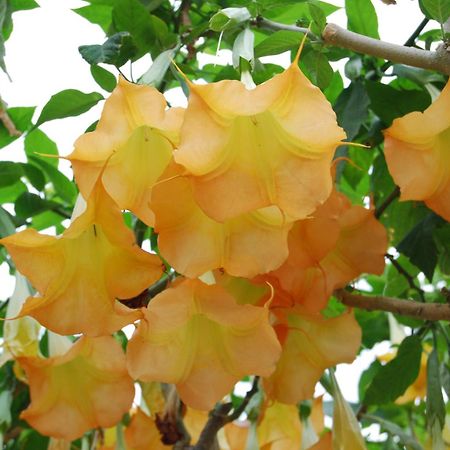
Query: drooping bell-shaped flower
134 138
195 336
417 151
85 388
193 243
80 274
248 149
311 343
340 242
20 336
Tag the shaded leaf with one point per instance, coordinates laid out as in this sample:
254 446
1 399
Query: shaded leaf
10 172
419 246
35 175
278 42
393 379
318 68
67 103
28 205
116 50
435 401
389 103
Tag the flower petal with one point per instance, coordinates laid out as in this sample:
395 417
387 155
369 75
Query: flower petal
311 344
193 243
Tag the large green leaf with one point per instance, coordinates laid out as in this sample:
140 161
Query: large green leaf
146 29
10 173
21 117
362 17
317 68
389 103
295 11
70 102
436 9
278 42
6 224
20 5
37 142
393 379
98 14
116 50
419 245
28 205
352 108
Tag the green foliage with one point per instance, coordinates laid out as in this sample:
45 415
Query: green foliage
393 379
68 103
362 17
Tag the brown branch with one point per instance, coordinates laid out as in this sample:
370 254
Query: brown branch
219 417
7 122
340 37
434 60
409 308
388 200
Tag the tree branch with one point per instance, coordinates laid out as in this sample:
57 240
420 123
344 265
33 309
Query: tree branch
219 417
340 37
389 199
7 122
409 308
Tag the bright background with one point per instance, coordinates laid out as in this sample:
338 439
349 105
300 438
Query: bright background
42 59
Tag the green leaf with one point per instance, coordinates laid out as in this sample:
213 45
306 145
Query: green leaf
352 108
146 29
21 118
28 205
374 326
317 68
278 42
419 246
37 141
393 379
97 14
389 103
9 194
10 172
106 80
35 176
6 224
435 401
362 17
21 5
3 16
318 16
116 50
63 186
436 9
406 439
290 14
228 18
67 103
155 74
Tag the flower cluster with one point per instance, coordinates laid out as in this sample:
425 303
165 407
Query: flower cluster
239 187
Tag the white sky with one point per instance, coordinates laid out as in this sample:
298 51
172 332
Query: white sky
42 59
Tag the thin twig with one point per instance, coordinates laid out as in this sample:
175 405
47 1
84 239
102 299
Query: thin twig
219 417
261 22
409 308
409 278
387 201
412 39
7 122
